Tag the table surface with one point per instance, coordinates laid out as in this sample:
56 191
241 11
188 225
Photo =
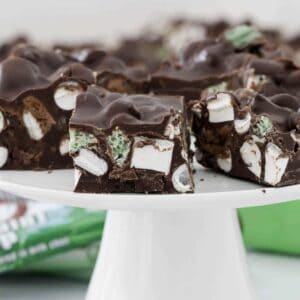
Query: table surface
274 278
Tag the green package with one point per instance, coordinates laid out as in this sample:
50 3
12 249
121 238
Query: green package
64 241
32 231
273 228
77 264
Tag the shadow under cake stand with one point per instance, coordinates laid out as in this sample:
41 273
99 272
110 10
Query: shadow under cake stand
163 247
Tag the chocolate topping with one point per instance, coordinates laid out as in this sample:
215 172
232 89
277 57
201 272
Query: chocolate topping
7 46
203 64
18 75
268 67
283 76
280 109
75 71
110 64
106 110
47 61
110 72
28 68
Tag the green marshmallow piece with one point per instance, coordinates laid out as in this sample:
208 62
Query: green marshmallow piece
263 127
79 140
120 146
242 36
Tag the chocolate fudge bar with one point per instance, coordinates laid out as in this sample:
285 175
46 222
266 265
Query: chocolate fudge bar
115 76
129 143
250 136
38 91
109 71
210 64
156 45
272 76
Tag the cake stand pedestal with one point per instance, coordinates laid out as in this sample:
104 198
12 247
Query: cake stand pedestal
170 255
163 247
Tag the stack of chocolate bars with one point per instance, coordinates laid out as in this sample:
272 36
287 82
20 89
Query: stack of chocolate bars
127 118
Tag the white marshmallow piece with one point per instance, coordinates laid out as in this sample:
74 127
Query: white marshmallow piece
251 156
77 175
172 130
225 164
295 136
192 142
275 164
181 179
64 146
32 125
220 109
156 156
241 126
2 122
3 156
66 94
90 162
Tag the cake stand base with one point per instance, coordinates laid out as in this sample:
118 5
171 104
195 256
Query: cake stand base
171 256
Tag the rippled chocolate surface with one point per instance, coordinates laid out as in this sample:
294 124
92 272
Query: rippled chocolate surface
30 68
283 76
281 109
202 63
102 109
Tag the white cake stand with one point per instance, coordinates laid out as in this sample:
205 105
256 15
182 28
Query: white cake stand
163 247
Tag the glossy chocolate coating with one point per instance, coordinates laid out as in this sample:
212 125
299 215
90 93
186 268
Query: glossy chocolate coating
101 109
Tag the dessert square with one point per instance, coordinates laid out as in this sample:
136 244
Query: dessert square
38 92
109 71
250 136
210 64
129 143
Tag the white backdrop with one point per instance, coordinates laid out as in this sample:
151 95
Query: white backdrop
78 19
